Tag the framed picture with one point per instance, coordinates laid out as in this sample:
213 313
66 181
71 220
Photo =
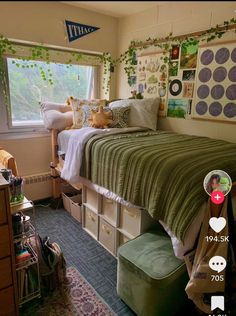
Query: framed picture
175 52
188 56
177 108
173 68
188 75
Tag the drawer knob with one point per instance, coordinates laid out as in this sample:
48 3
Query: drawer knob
105 229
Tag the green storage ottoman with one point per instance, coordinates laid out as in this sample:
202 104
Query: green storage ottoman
150 279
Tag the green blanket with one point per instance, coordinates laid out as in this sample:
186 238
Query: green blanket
162 172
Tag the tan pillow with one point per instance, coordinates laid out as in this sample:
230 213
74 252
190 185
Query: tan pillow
77 109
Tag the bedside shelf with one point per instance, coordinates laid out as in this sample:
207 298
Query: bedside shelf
29 297
25 235
27 263
22 207
24 266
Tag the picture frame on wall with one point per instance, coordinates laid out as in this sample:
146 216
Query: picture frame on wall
188 56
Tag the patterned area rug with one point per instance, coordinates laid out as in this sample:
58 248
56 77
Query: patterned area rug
76 297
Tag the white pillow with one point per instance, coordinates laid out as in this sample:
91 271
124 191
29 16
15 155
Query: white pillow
56 115
143 113
61 107
54 119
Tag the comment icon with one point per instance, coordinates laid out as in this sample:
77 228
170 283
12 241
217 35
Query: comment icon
217 263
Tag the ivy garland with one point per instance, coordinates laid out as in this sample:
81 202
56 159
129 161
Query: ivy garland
165 44
41 52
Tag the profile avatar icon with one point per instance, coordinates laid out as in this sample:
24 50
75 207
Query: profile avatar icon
217 180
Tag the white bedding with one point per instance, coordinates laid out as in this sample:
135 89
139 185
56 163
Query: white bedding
72 143
63 140
75 146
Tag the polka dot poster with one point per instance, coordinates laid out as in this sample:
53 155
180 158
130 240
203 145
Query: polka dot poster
215 93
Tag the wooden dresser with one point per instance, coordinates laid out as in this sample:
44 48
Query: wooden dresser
8 288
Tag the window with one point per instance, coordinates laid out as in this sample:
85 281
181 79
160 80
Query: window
27 89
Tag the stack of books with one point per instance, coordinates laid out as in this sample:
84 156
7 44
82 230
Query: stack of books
27 281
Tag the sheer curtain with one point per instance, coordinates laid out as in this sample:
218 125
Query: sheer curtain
91 83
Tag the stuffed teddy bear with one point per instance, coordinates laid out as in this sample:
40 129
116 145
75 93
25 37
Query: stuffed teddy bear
100 118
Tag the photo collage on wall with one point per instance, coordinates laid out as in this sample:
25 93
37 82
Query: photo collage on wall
215 95
152 78
182 69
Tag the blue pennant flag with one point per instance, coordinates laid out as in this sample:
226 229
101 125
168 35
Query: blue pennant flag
77 30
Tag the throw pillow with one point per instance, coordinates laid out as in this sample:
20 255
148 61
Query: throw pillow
143 113
119 116
56 115
77 105
100 118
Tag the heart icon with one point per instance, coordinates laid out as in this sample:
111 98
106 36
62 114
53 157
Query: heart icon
217 224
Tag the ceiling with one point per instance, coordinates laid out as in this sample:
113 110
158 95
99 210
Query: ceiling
116 8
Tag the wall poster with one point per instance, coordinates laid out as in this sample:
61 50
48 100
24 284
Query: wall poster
181 80
215 93
152 78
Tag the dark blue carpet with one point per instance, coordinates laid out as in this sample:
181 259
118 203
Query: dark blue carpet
96 265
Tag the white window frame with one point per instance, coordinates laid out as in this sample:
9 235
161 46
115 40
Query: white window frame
7 130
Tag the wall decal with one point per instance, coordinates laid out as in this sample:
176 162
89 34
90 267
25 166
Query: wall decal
78 30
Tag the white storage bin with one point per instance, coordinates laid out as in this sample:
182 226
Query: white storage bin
130 220
92 199
91 222
70 201
76 211
109 210
66 202
107 235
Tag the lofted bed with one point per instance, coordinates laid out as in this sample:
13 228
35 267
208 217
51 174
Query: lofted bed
111 183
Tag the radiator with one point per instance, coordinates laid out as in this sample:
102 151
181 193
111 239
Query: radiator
37 186
37 178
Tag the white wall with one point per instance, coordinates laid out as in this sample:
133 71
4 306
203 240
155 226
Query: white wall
42 22
179 18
